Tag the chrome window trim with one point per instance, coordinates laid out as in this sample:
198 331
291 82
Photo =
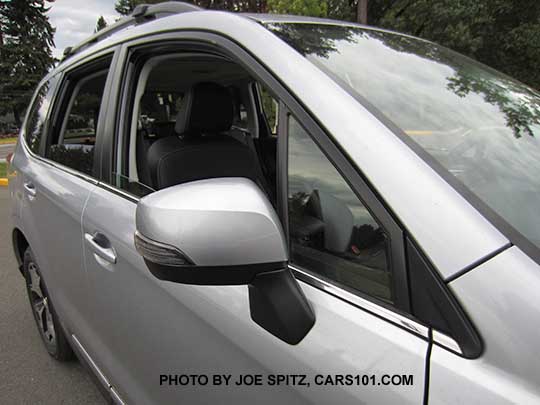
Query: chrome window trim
58 166
401 321
120 192
446 341
362 303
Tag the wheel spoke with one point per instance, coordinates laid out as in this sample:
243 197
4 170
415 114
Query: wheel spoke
49 320
35 280
40 305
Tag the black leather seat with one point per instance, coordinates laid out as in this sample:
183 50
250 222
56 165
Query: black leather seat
202 149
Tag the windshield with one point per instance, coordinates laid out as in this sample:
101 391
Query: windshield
480 125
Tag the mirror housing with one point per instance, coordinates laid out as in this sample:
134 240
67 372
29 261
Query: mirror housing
224 231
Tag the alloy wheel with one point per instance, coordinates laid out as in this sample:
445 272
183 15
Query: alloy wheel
40 305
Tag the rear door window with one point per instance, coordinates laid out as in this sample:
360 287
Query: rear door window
35 123
76 128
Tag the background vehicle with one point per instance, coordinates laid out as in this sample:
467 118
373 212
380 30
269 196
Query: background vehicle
213 155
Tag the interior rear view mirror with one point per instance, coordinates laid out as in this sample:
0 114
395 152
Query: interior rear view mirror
224 231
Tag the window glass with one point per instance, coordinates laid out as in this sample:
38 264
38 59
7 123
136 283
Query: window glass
270 107
38 114
481 126
332 233
160 97
75 147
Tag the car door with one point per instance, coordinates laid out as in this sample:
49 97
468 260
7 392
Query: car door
146 333
161 342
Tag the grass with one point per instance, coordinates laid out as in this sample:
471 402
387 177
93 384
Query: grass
3 167
5 141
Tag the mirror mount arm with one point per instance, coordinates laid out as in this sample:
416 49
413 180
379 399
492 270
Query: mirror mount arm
278 305
224 231
276 301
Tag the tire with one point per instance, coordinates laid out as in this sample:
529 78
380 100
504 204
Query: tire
50 330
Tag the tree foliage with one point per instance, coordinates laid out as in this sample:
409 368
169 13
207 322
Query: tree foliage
501 33
249 6
504 34
125 7
313 8
26 39
518 103
100 24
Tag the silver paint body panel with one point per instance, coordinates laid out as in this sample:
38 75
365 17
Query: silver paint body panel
501 298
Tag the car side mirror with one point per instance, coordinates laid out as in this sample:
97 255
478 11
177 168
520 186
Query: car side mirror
224 231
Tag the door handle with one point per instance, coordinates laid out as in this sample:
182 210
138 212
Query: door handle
30 189
101 246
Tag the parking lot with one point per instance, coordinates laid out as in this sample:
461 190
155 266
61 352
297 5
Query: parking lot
28 375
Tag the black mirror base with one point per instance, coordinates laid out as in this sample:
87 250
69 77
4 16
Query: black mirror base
278 305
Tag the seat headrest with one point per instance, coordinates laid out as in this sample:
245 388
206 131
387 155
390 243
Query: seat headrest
206 107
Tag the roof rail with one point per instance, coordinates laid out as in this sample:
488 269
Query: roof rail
141 14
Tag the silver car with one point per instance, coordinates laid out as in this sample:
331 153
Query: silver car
235 208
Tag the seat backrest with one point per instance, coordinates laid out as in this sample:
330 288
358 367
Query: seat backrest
202 149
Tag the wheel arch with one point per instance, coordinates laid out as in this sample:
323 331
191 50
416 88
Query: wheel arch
20 244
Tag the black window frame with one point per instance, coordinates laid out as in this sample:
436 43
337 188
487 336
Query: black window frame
205 42
348 174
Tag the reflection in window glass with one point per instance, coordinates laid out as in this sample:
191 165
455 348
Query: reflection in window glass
132 186
76 146
37 115
270 107
482 126
332 233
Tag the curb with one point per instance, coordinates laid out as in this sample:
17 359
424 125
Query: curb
3 182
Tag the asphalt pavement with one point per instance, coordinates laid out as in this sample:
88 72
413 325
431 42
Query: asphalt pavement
6 150
28 375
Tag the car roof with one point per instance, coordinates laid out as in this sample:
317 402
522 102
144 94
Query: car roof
270 18
146 13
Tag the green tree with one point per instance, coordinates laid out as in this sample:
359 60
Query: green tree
26 41
340 10
504 34
100 24
313 8
125 7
